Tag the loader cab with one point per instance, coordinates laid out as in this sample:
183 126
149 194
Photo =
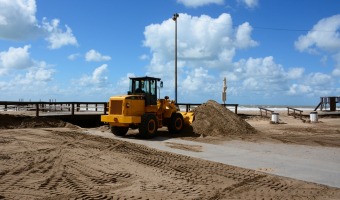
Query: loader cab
146 86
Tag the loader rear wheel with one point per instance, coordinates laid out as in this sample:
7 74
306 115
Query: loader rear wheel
119 131
176 123
148 126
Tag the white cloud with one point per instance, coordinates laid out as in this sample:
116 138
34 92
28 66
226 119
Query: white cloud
17 19
123 83
95 86
259 67
259 74
35 75
95 56
324 60
196 80
15 58
29 82
323 39
25 77
98 77
295 73
325 35
206 50
202 41
58 38
319 79
297 89
3 20
265 77
336 57
243 39
198 3
18 22
41 73
252 84
336 72
198 85
74 56
99 74
250 3
3 85
314 84
144 57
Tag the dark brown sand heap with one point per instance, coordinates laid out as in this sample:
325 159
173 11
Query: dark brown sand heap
20 121
213 119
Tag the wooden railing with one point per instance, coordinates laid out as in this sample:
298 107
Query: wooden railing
295 112
73 108
189 105
65 107
265 110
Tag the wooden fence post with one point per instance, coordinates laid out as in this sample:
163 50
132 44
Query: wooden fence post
37 110
105 108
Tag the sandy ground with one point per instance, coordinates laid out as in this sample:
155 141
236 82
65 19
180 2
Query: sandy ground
309 163
70 163
296 131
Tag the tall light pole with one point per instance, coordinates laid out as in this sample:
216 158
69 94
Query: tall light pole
175 19
224 90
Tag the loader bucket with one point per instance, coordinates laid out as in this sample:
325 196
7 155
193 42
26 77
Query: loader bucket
188 117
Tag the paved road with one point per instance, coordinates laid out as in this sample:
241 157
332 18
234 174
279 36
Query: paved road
308 163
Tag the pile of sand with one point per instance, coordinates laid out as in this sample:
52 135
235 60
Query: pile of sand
21 121
213 119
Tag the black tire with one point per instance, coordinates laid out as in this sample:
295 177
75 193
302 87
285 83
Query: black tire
176 123
149 125
119 130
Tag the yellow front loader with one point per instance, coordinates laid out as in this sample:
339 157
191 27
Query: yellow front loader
141 109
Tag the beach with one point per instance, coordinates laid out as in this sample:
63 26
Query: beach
43 159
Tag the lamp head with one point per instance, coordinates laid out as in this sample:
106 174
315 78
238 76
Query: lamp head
175 16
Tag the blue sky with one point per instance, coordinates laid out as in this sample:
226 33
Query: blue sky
283 52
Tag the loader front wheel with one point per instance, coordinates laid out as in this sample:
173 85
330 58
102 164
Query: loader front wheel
176 123
148 126
119 131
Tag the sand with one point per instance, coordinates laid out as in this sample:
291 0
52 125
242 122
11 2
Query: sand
15 121
213 119
61 162
292 130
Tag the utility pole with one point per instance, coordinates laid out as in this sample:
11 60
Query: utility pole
175 19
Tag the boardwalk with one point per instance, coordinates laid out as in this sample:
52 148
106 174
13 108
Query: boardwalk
74 108
55 108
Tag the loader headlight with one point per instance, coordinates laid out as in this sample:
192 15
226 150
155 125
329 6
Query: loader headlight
128 105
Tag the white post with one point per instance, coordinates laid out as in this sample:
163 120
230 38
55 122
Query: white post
224 89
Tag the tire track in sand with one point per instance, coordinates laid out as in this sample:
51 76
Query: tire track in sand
66 164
